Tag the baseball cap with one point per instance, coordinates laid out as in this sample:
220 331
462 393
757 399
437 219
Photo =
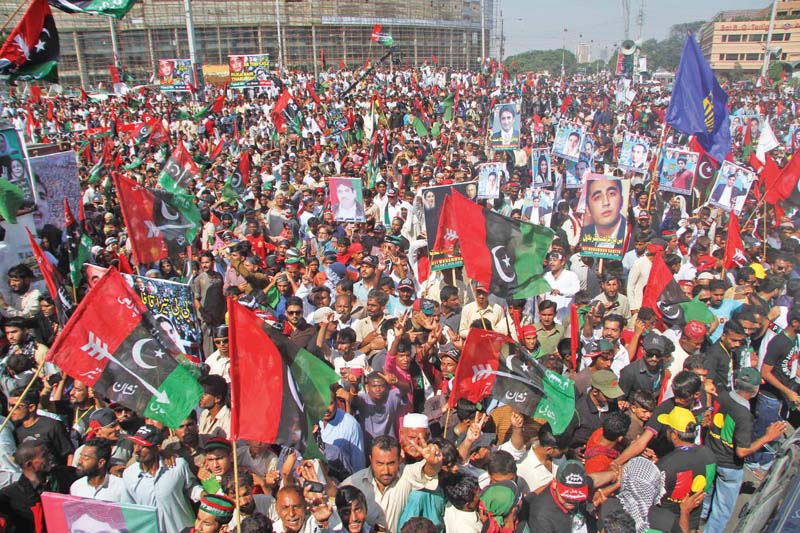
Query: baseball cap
426 306
111 240
480 287
598 346
653 342
104 417
678 419
147 435
406 283
254 260
749 377
392 192
606 382
370 260
571 481
221 332
448 350
528 330
695 330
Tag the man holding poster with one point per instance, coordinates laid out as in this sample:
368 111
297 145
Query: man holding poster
604 224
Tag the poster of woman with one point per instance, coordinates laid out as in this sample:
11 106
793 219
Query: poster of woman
490 177
541 170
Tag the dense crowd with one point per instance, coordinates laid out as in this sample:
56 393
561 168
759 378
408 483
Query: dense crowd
667 417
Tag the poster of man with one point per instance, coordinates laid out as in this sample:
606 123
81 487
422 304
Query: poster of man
14 165
505 127
434 196
634 153
575 173
490 177
249 70
604 224
56 178
569 140
677 171
538 209
731 187
347 201
174 74
541 170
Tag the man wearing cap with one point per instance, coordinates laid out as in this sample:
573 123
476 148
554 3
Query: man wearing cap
95 481
24 301
149 482
599 353
218 462
219 361
406 291
690 342
595 405
103 424
649 372
214 514
209 300
731 440
483 311
553 509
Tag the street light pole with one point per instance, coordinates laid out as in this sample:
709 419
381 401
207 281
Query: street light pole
767 54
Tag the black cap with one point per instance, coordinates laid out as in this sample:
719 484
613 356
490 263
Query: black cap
221 332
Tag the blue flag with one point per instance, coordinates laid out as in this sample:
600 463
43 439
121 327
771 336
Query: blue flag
699 106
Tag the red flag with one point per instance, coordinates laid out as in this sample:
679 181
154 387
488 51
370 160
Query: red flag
661 288
786 185
217 150
574 339
277 111
69 218
446 235
341 65
474 376
218 104
84 96
565 104
50 110
312 92
434 59
26 41
376 33
322 58
52 278
244 168
258 366
734 249
36 93
152 132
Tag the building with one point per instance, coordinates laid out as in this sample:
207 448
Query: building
739 37
447 31
583 53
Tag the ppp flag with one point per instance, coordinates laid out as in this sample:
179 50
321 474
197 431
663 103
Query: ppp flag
32 50
662 292
699 106
179 170
114 344
160 224
63 512
115 8
734 248
501 253
258 367
53 280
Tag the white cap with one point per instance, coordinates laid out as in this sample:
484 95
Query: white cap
415 421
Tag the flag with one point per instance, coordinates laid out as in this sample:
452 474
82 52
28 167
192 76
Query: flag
63 512
116 9
419 126
699 106
52 278
160 223
32 49
11 199
79 245
151 133
447 106
114 345
766 142
179 171
503 254
734 249
379 37
214 107
705 171
277 110
258 368
237 180
474 376
662 291
789 181
558 401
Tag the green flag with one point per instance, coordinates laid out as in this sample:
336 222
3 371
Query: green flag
110 8
136 163
82 252
557 405
96 171
11 199
419 127
448 107
436 129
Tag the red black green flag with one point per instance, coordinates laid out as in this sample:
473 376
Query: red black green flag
113 344
179 170
32 50
53 280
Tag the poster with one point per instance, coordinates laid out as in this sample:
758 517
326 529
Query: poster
432 200
66 513
14 166
347 200
505 127
175 74
15 248
677 171
569 140
575 173
537 207
605 226
491 176
337 123
731 187
541 168
249 70
56 178
634 153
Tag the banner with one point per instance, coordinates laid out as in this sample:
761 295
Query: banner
491 176
538 206
569 140
731 187
605 226
541 168
634 153
56 178
65 513
347 199
337 122
13 165
249 71
175 74
505 127
677 171
432 200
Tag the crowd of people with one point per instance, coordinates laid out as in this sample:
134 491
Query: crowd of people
667 417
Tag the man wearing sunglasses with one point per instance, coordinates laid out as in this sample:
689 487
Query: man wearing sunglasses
648 373
219 361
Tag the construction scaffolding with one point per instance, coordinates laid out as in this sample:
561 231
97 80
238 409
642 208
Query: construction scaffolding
338 30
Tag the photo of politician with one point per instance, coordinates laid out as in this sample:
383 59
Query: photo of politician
505 128
346 199
604 224
569 140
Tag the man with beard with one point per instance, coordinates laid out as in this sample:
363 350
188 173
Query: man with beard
28 425
21 342
721 307
95 481
690 342
215 420
38 475
648 373
81 399
103 425
24 299
188 444
150 482
249 503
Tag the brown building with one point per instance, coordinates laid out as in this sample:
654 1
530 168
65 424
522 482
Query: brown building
739 37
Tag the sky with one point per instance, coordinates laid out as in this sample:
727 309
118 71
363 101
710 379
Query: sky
540 24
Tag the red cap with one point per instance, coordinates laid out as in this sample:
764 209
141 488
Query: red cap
355 247
706 262
654 248
695 330
528 330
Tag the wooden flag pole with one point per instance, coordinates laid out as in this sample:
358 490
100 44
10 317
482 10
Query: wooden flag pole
654 176
22 396
447 418
236 485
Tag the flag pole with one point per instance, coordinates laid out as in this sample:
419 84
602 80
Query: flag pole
14 14
765 232
654 175
447 419
236 485
24 392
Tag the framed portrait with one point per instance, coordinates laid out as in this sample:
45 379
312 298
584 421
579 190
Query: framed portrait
731 187
538 207
347 199
505 127
491 177
635 153
569 140
541 168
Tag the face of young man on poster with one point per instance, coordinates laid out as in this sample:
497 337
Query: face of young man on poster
604 204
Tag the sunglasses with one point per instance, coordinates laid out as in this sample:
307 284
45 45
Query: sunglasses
293 313
653 355
221 341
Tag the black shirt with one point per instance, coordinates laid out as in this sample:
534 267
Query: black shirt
781 351
636 377
687 469
659 519
590 418
546 514
719 364
50 432
731 428
17 499
659 443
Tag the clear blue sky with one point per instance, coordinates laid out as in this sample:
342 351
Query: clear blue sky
540 24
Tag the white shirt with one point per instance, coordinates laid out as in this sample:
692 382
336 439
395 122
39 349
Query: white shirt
112 489
567 284
219 365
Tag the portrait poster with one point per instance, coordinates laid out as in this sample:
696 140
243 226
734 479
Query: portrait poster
605 226
505 127
677 171
537 208
67 514
587 147
432 200
347 199
575 173
753 122
249 70
175 74
635 153
793 141
56 177
172 305
15 249
731 187
569 140
541 168
14 165
337 122
491 177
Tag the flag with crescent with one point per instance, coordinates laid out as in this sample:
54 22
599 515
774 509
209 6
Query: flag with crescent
32 49
113 344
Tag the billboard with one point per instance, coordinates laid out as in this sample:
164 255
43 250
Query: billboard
249 70
175 74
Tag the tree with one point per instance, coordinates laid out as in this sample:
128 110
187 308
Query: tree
539 60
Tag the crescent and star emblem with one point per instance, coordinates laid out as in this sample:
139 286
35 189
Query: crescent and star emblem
136 353
502 264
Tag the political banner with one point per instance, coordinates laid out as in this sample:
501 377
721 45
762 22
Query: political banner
65 513
505 127
14 166
432 201
731 187
491 176
249 70
605 227
56 177
537 206
541 168
175 74
677 171
575 173
337 122
172 305
347 199
634 153
569 140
